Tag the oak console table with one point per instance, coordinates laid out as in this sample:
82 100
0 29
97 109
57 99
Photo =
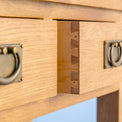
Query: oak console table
57 53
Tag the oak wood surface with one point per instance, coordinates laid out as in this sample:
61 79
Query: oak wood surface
68 57
107 108
92 73
27 31
47 10
111 4
91 54
33 110
39 39
120 103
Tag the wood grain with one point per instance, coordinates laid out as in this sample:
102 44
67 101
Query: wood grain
68 57
92 73
120 103
107 108
88 74
39 39
48 10
35 109
111 4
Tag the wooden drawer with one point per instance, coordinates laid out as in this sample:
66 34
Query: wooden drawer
39 39
81 56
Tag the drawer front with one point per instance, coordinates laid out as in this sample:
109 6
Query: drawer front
39 58
81 56
92 73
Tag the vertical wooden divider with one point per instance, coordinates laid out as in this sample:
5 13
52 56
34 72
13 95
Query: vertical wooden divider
107 108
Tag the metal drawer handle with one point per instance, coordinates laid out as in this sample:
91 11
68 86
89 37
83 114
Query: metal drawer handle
119 60
11 78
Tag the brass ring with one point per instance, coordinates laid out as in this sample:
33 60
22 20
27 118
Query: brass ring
10 79
119 61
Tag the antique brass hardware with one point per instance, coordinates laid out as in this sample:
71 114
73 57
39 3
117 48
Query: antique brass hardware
112 53
10 63
12 50
3 50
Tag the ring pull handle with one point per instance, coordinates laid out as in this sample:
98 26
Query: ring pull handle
17 69
119 60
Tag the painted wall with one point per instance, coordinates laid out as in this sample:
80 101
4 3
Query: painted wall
82 112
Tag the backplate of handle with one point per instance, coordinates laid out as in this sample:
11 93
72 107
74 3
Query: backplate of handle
14 50
109 53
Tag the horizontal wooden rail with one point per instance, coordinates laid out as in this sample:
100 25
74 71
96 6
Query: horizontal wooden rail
48 10
35 109
110 4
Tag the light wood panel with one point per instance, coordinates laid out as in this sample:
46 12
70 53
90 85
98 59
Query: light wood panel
35 109
107 108
111 4
36 9
92 73
39 39
84 71
120 103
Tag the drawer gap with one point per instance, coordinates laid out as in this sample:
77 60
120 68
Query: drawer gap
68 57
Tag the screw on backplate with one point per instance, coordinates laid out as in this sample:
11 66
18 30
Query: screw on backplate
21 79
120 44
116 44
21 45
